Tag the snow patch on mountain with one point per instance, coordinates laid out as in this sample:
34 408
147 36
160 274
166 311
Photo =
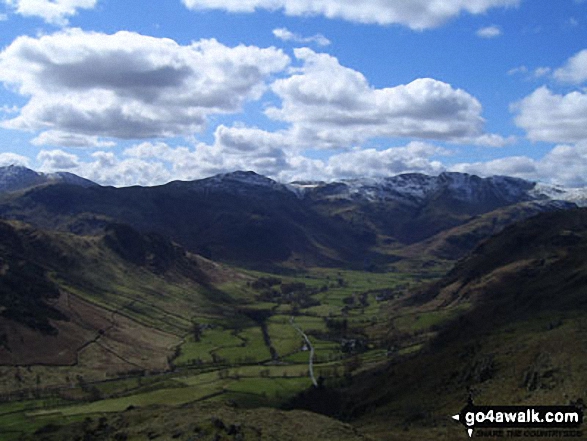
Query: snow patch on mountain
416 188
16 177
577 196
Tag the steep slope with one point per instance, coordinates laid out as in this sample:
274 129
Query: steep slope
521 340
102 305
455 243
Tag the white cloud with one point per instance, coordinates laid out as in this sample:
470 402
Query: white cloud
542 72
331 106
52 11
489 32
575 70
128 85
157 163
239 148
563 165
13 159
489 140
8 109
550 117
518 166
286 35
58 138
415 157
55 160
3 17
518 70
416 14
566 165
106 168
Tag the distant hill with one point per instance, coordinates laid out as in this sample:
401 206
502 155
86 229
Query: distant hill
250 220
456 242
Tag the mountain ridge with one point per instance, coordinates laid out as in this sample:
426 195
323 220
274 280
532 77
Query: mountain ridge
247 219
415 186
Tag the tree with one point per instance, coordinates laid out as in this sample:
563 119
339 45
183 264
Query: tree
196 331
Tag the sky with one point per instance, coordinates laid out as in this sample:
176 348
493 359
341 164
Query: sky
142 93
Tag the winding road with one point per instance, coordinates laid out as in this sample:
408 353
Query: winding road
311 363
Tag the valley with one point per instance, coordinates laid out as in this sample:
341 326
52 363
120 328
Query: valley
222 356
184 311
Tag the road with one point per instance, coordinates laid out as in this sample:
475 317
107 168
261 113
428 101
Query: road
311 363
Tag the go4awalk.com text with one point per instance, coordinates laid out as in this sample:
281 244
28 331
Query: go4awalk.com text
521 421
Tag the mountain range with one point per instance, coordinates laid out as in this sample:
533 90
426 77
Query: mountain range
251 220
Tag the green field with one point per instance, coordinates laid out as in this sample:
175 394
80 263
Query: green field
229 358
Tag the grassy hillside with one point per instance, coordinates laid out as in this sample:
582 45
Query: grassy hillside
520 341
211 421
139 322
99 306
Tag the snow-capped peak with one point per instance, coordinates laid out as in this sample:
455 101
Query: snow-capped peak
556 192
16 177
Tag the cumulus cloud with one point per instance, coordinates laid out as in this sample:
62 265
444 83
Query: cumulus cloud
58 138
489 32
575 70
234 148
13 159
106 168
415 157
285 34
566 165
416 14
56 160
331 106
518 166
563 165
153 163
52 11
239 148
130 86
550 117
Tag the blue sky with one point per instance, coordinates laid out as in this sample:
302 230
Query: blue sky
143 93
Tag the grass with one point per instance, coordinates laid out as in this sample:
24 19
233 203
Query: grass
228 361
311 324
254 349
170 397
420 321
13 426
284 338
211 341
274 389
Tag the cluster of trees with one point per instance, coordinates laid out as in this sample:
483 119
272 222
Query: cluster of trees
297 294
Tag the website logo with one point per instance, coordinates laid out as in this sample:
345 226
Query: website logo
521 421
